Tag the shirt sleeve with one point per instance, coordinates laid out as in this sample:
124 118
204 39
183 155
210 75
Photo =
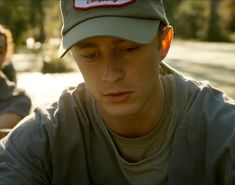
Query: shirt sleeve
25 155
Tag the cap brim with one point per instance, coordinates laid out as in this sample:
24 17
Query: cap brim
140 31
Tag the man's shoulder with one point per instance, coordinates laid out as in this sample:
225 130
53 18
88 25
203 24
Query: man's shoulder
197 99
204 94
72 91
192 89
76 96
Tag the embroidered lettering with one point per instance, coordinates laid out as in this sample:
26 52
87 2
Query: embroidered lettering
87 4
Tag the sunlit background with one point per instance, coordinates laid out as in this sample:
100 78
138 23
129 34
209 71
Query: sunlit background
204 45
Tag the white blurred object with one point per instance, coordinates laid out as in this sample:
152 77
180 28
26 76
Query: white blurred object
30 42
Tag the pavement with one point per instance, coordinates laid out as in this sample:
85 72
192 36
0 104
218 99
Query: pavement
214 62
46 88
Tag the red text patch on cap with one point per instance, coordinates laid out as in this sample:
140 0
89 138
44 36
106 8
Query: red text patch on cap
87 4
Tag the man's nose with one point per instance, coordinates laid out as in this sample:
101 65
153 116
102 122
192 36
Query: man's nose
112 70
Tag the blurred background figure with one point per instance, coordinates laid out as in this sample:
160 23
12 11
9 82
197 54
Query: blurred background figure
14 103
6 51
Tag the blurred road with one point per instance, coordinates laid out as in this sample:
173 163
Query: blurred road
46 88
214 62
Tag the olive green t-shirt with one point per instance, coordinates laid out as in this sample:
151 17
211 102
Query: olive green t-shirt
144 160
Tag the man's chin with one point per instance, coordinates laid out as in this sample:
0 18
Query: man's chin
118 111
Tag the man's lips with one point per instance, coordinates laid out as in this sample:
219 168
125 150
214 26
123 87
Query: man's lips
117 97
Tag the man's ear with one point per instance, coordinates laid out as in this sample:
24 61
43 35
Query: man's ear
167 36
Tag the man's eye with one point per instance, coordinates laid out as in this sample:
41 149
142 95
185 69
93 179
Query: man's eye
129 49
91 56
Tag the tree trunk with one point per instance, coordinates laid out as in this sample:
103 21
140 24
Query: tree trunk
213 32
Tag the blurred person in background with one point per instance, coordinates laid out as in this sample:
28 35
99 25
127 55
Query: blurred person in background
134 121
14 103
6 52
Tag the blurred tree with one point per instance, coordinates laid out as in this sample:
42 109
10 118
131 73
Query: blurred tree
171 7
227 19
213 32
191 19
212 20
37 18
15 16
30 18
52 18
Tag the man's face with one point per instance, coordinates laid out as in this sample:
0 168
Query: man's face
123 76
2 49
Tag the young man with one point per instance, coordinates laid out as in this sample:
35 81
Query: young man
135 120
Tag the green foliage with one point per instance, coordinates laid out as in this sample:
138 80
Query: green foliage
14 15
171 7
52 20
226 22
192 19
39 19
212 20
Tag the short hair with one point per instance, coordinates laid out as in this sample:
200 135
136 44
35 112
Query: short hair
4 31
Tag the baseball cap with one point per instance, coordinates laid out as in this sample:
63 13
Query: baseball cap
134 20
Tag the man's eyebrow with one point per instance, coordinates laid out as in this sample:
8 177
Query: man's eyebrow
86 45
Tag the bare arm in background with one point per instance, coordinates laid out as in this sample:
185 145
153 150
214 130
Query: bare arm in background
9 120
